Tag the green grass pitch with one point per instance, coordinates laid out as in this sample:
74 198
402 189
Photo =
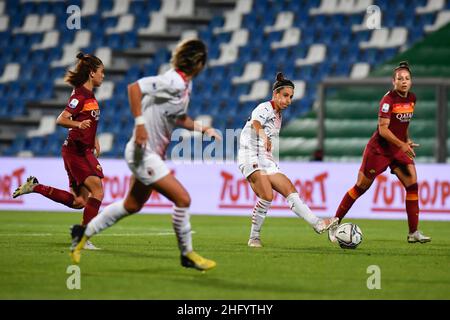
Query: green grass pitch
139 260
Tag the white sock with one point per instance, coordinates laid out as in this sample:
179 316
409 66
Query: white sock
182 226
301 209
258 216
106 218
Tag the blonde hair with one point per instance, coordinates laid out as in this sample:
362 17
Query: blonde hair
189 56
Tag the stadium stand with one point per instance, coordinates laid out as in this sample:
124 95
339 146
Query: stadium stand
248 41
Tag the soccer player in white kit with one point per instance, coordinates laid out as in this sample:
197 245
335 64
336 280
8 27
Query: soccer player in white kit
159 103
256 162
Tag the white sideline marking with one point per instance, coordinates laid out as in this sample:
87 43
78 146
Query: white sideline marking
99 235
25 234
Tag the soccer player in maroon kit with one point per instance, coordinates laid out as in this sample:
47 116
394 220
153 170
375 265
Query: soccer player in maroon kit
390 146
81 147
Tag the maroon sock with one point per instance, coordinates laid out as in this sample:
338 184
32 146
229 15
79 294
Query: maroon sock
61 196
90 210
412 206
348 200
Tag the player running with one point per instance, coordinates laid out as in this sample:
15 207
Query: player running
158 103
81 148
390 146
257 164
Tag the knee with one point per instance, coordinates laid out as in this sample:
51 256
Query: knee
98 193
132 207
79 203
183 201
268 196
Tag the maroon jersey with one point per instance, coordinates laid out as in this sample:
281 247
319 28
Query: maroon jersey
83 106
400 111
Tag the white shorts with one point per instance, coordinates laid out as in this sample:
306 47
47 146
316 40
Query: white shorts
149 169
251 163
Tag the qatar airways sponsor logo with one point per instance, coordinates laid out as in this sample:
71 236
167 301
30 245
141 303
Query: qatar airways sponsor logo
389 195
236 192
116 187
10 181
95 114
404 117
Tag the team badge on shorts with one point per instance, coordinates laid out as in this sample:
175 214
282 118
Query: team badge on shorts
372 171
99 168
255 166
150 172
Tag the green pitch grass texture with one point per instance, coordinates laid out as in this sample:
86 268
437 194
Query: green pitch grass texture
140 260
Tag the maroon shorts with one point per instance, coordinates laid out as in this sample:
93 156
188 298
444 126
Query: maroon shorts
79 167
375 162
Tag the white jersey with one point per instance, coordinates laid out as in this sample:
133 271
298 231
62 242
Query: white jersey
270 121
165 99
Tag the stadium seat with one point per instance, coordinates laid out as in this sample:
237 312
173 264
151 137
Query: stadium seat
360 70
431 6
316 54
120 8
10 73
443 17
291 37
157 24
233 21
4 23
124 24
89 7
259 91
283 22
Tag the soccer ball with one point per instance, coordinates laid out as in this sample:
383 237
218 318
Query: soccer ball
348 235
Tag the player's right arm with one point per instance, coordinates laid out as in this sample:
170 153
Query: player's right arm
262 135
64 120
134 99
386 133
73 107
384 119
258 119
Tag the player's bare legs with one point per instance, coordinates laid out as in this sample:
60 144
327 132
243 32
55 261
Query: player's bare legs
284 186
173 190
94 200
88 196
70 199
80 196
363 183
408 177
260 184
137 196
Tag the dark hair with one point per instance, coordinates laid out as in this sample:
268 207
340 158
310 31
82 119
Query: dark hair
190 56
281 82
87 63
402 65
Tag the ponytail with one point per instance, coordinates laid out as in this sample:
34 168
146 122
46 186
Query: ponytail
281 82
86 64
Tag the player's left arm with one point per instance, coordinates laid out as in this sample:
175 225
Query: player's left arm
189 124
411 143
97 147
